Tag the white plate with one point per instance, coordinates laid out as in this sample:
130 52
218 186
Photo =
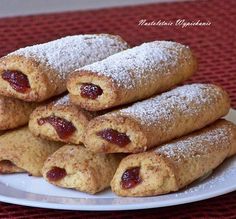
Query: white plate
32 191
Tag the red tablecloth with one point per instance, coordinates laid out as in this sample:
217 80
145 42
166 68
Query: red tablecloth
215 49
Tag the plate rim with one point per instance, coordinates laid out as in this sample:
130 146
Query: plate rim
110 207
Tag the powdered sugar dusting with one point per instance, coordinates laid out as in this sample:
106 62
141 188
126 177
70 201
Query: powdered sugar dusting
139 64
216 138
65 100
184 101
220 178
72 52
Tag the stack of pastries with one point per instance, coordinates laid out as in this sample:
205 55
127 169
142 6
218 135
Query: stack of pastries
87 112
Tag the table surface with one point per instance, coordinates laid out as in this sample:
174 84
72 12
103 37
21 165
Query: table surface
30 7
213 45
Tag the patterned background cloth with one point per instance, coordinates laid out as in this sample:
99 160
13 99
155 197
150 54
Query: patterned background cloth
214 46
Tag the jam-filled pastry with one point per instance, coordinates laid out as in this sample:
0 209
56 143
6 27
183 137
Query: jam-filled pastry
60 121
20 151
38 72
154 121
14 112
73 166
131 75
176 164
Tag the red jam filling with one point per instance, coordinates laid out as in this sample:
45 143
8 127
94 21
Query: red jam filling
63 127
131 178
114 137
56 173
6 166
90 91
7 163
17 80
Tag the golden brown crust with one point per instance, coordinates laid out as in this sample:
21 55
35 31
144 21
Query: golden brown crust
120 123
155 121
61 108
14 112
144 81
86 171
48 65
7 166
39 76
111 93
178 163
25 151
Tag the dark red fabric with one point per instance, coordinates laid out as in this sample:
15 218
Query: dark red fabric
213 45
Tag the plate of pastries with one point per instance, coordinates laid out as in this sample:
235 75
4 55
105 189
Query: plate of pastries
89 123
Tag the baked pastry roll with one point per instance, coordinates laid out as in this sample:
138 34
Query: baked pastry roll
38 72
20 151
75 167
152 122
14 112
131 75
60 121
177 164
